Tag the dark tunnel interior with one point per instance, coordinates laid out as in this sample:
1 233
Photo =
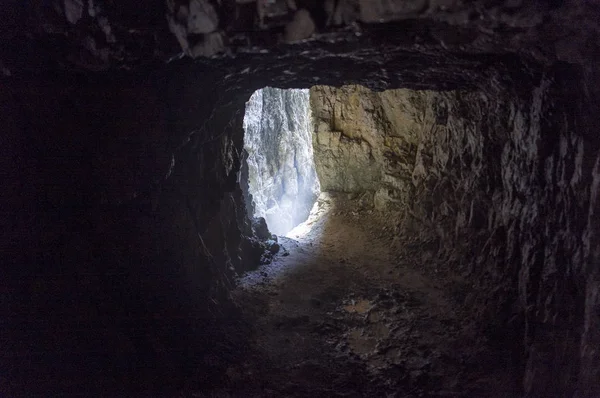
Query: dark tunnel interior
450 149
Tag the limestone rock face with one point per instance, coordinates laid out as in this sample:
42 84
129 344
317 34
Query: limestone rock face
345 164
380 141
346 139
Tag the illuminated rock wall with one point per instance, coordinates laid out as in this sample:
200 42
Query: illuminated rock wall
278 138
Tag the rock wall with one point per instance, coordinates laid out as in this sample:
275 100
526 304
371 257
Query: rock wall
385 144
347 139
497 183
278 139
122 232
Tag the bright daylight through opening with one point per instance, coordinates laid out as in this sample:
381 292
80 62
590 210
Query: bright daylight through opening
282 179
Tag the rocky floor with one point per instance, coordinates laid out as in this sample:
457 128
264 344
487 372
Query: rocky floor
337 315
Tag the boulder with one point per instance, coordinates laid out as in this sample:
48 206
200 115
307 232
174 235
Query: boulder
259 226
73 10
300 28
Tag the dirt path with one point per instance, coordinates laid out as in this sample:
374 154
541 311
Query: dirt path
336 316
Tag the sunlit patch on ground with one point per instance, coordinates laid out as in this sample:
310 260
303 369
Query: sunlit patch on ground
319 210
299 241
340 307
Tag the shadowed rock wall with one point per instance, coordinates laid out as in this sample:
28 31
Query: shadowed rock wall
498 182
120 246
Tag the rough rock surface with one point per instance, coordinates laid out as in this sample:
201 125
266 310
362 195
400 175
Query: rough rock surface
482 175
101 34
118 155
300 28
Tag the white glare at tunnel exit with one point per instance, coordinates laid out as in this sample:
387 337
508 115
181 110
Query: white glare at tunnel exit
281 172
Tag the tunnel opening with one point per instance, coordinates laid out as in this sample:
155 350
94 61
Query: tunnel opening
282 181
416 181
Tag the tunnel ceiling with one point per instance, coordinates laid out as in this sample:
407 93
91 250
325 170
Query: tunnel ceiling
384 44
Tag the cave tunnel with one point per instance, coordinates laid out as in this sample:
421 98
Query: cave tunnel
452 198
